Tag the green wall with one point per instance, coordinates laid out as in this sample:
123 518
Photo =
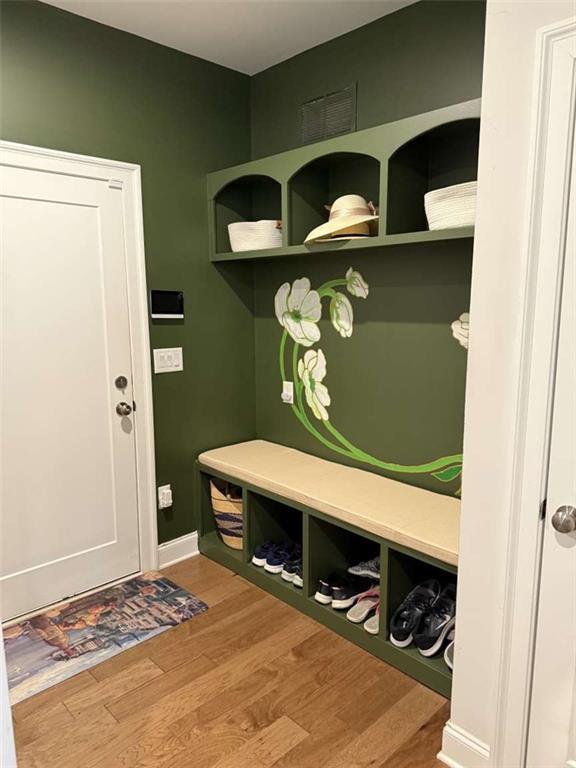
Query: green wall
397 385
71 84
423 57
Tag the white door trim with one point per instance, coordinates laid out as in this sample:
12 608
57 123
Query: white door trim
126 175
550 162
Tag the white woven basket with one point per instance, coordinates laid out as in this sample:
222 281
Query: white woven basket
453 206
255 235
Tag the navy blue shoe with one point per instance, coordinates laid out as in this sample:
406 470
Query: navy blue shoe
261 553
277 556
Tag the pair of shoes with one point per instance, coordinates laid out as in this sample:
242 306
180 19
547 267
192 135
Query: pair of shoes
367 610
425 617
370 569
272 556
341 590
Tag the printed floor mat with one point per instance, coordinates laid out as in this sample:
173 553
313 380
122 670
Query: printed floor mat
70 638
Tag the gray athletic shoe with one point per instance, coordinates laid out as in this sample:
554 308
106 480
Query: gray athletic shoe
370 569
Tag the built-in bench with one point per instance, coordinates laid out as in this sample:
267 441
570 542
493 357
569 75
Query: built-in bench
340 514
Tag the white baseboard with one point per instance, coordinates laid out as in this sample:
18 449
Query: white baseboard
174 551
462 750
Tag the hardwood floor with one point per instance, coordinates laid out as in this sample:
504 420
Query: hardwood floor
251 683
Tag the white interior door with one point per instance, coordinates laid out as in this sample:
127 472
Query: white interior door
68 498
552 731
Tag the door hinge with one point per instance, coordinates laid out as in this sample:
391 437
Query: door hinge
115 184
133 407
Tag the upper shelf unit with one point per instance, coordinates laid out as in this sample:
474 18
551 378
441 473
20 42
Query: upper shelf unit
392 165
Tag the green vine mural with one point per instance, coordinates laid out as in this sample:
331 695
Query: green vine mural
299 309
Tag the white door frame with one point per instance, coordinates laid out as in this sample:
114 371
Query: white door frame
550 166
513 550
126 176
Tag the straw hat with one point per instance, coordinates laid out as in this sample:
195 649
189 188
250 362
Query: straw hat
350 216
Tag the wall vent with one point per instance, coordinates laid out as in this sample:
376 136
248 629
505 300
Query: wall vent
328 116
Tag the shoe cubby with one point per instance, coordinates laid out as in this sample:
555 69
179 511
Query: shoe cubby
271 520
440 157
328 545
404 571
248 198
208 528
321 181
334 548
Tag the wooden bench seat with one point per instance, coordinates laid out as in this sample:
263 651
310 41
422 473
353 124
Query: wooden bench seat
421 520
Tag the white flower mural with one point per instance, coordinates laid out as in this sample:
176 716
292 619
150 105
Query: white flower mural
312 370
356 285
461 329
299 309
342 315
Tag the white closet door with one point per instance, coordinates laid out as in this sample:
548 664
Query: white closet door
552 730
68 501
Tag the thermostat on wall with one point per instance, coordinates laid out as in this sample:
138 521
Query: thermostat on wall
166 305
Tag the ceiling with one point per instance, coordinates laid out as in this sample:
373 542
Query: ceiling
246 36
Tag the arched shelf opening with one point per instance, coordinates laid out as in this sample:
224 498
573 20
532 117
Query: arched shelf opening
319 182
445 155
248 198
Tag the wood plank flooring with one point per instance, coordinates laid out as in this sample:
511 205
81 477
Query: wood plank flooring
251 683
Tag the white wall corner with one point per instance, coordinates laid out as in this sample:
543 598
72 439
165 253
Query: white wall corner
174 551
461 749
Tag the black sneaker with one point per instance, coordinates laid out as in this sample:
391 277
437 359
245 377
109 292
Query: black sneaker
298 580
326 587
291 565
407 617
370 569
345 595
437 624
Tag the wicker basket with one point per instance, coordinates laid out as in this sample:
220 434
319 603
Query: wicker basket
255 235
228 512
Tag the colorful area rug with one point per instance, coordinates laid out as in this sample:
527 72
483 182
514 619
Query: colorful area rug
66 640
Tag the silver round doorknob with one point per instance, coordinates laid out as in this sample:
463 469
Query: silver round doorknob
123 409
564 519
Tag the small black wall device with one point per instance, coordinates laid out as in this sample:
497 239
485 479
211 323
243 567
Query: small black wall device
166 305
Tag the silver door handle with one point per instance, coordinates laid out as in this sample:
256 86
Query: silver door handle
564 519
123 409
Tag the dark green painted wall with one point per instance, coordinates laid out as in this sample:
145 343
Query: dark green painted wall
397 385
423 57
71 84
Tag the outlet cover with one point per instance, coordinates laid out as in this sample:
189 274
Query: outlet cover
164 496
288 392
168 360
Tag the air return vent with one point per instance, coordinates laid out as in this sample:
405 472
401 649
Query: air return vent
328 116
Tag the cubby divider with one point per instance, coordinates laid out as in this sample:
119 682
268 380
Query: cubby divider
327 545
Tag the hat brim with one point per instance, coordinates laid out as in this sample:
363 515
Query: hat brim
333 227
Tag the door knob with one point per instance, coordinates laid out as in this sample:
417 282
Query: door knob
564 519
123 409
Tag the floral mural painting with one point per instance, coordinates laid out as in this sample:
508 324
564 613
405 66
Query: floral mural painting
299 309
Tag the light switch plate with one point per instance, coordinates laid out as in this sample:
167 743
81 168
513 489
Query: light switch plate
288 392
168 360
